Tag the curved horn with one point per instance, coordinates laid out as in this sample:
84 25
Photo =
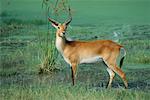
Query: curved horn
53 21
70 19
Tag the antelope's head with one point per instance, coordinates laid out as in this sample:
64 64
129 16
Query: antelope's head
61 28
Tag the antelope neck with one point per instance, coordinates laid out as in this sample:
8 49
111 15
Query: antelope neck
60 43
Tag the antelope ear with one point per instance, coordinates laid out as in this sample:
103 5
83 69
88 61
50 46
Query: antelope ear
56 26
54 23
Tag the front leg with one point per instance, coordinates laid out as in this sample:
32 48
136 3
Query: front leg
73 72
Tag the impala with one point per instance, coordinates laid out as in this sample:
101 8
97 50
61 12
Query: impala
78 52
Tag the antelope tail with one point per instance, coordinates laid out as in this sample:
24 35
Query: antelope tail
122 58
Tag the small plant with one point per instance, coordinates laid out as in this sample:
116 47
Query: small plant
53 8
49 61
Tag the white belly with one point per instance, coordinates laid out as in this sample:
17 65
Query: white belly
91 59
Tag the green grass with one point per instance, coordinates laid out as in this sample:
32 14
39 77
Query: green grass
23 57
23 45
57 92
20 21
138 50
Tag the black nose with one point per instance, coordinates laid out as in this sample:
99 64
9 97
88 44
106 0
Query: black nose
63 33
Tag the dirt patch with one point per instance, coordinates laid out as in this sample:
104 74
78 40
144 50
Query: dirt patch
91 76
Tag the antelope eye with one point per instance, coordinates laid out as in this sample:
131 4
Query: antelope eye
58 27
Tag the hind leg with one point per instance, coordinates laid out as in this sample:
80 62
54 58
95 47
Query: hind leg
111 77
111 61
111 74
117 70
